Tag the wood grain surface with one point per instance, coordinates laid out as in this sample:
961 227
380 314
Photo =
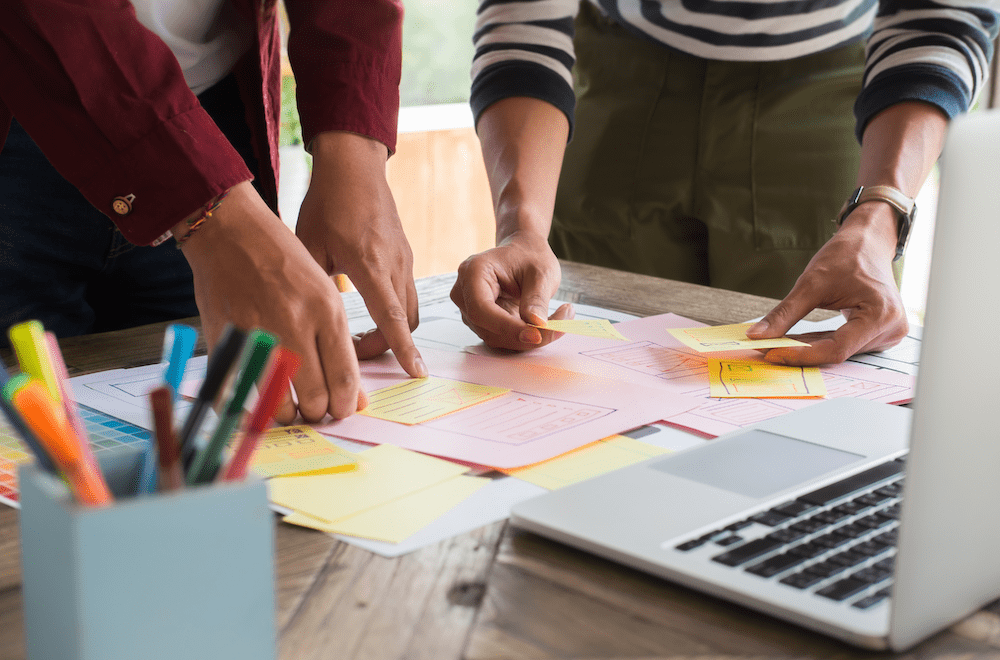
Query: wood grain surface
499 592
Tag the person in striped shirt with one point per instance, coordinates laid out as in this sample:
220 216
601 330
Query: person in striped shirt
713 141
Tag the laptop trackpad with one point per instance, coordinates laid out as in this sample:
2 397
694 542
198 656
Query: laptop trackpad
756 463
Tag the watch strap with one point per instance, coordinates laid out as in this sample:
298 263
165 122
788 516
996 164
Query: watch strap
906 208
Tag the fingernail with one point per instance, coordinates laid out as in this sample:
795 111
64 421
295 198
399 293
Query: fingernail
530 336
759 326
362 400
420 367
538 314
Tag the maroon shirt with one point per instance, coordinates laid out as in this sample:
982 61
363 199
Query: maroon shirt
106 101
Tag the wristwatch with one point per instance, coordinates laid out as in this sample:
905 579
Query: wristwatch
905 206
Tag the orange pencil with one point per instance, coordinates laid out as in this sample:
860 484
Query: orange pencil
47 420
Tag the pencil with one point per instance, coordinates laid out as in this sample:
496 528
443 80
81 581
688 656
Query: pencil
284 366
162 402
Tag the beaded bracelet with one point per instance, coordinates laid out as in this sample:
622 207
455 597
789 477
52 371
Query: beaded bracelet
206 212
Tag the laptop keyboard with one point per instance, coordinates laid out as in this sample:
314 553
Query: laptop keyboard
838 542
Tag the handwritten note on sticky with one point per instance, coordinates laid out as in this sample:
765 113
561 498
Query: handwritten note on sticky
727 338
397 520
761 380
599 328
298 451
424 399
599 457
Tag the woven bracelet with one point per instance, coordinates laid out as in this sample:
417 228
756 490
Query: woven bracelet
195 223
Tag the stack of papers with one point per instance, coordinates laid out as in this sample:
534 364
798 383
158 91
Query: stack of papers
391 495
456 450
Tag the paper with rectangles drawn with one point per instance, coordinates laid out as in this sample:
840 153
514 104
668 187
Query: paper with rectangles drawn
712 339
598 328
654 358
746 379
548 411
598 458
423 399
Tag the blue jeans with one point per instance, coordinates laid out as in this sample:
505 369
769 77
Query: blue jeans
65 263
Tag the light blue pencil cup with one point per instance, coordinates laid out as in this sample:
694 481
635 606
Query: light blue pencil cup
171 576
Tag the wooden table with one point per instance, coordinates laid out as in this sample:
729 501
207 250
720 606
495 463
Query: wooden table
498 592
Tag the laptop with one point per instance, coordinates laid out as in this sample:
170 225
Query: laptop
871 523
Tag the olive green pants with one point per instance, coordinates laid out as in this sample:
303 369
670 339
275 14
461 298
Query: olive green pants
720 173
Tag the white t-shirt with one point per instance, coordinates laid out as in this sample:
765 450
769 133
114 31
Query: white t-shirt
206 36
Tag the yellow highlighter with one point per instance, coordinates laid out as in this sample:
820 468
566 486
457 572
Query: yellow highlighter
32 348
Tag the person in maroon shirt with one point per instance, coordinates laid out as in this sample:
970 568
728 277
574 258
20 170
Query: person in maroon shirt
106 102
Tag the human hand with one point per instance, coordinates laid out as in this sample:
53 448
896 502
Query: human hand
251 271
851 273
501 290
348 223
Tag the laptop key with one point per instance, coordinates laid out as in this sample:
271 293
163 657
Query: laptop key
808 550
750 550
801 580
871 548
847 558
690 545
831 516
809 525
832 540
737 526
771 518
794 508
728 540
825 569
851 507
872 575
856 482
776 564
843 589
868 601
787 535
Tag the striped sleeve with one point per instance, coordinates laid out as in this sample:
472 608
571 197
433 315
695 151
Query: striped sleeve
936 51
524 48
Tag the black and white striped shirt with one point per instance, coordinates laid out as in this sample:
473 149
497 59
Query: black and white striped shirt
936 51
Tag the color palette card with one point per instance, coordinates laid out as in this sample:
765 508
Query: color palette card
106 433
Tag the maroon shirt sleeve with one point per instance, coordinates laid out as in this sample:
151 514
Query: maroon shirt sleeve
107 103
347 58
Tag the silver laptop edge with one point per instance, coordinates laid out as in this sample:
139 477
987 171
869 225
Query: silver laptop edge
945 566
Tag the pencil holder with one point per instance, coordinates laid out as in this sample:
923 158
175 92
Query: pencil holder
184 574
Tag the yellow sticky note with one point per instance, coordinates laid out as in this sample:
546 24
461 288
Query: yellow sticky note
423 399
761 380
384 473
727 338
611 453
298 451
600 328
401 518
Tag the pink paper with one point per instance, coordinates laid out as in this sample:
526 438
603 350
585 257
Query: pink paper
547 413
654 358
